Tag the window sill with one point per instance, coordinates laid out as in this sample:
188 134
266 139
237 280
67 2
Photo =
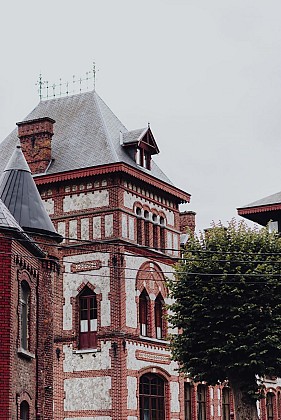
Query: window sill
84 351
154 340
26 354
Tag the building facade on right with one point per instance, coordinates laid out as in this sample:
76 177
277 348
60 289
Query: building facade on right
267 212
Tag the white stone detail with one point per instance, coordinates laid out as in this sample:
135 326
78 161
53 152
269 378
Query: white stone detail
74 363
176 243
73 229
61 229
134 364
49 205
108 225
130 199
175 404
85 201
132 393
131 228
124 225
132 418
96 227
169 243
87 394
85 228
98 278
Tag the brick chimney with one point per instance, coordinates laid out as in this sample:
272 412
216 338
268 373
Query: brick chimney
187 221
36 142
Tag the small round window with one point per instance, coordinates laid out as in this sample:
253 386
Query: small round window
146 214
162 220
154 218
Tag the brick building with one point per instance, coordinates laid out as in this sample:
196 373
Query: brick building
267 212
28 271
119 216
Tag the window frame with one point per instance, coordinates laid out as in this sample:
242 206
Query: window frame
24 303
88 338
152 402
201 402
144 307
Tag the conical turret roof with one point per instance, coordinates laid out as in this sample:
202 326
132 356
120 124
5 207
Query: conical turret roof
20 195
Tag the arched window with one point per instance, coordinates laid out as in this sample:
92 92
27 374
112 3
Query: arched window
88 319
24 314
225 403
155 231
139 226
24 410
270 406
158 316
162 234
188 391
143 313
201 402
146 228
152 397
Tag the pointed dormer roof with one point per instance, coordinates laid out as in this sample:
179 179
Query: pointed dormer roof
20 195
141 135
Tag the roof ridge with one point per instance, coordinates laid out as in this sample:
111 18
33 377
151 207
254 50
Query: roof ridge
109 139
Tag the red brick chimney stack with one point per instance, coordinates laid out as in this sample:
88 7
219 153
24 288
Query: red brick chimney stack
36 142
187 221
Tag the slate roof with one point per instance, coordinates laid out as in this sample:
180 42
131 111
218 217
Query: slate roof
7 220
134 136
266 201
86 134
19 193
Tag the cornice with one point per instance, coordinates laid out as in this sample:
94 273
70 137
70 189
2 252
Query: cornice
43 179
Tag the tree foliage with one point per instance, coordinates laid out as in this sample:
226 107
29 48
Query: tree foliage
228 307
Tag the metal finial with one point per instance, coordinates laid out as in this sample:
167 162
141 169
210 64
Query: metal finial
148 124
73 83
40 83
94 71
54 90
60 85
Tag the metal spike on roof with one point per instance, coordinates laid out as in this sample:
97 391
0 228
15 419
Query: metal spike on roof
20 195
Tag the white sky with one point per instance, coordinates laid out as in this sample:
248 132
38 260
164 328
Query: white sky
206 74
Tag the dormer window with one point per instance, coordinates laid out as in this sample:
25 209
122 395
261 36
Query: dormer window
143 158
141 145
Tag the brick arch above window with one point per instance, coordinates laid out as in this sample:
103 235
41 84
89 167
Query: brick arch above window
90 286
152 278
156 370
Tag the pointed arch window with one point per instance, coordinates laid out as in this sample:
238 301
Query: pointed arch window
24 314
143 313
225 403
88 319
158 309
270 405
24 410
152 397
201 402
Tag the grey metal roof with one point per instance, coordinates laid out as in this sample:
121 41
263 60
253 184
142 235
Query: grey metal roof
86 134
20 195
270 199
6 218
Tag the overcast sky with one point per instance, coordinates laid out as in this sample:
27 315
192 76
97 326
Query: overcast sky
205 74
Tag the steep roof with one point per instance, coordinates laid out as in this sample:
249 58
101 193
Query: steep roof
86 134
20 195
266 201
7 220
